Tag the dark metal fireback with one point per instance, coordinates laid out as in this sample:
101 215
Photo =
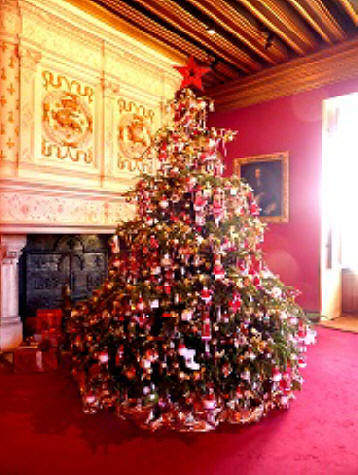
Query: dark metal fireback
49 262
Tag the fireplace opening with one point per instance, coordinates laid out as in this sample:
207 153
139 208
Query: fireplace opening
49 263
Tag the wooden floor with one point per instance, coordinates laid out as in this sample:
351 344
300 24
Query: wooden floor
345 322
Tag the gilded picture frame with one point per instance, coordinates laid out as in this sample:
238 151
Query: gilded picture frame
268 177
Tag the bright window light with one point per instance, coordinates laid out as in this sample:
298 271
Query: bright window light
340 175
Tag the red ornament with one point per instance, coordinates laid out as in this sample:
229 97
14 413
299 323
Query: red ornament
206 295
254 209
235 302
276 374
192 74
153 242
219 271
239 393
140 304
199 202
218 210
206 330
167 288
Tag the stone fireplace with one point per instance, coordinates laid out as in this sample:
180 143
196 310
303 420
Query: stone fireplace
79 103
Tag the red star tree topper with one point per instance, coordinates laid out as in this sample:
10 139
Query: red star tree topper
192 74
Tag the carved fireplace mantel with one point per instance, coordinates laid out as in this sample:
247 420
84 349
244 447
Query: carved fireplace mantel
29 208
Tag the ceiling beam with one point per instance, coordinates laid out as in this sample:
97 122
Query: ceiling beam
222 77
111 19
351 9
209 81
187 23
288 25
330 65
225 69
143 23
320 19
241 26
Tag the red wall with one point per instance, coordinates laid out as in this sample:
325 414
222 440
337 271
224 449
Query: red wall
292 124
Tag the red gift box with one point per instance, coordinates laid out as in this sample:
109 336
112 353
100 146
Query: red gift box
52 336
31 359
48 318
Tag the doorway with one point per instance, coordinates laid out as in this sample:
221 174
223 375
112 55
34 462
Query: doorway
339 254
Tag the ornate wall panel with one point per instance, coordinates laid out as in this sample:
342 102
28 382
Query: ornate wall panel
133 136
44 28
9 101
29 61
79 103
68 110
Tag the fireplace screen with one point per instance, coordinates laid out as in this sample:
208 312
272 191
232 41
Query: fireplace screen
50 262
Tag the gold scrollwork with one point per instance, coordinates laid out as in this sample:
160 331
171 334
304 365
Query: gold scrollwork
63 151
61 82
130 106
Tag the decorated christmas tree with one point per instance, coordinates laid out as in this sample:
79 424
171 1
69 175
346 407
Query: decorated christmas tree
191 328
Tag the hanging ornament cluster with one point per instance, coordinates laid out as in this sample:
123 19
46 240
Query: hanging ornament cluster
191 328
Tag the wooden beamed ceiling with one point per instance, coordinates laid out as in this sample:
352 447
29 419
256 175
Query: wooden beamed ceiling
238 38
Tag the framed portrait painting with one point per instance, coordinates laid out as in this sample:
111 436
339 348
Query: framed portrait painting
268 177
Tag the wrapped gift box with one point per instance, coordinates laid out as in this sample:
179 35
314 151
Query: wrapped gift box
31 358
48 318
52 336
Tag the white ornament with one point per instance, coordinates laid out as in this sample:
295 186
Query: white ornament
209 403
164 203
103 357
166 261
189 354
90 398
276 292
187 315
154 303
310 338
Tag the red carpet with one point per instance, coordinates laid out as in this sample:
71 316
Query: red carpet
43 430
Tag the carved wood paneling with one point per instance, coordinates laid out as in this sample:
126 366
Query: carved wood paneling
316 13
242 26
188 23
351 8
237 37
328 66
